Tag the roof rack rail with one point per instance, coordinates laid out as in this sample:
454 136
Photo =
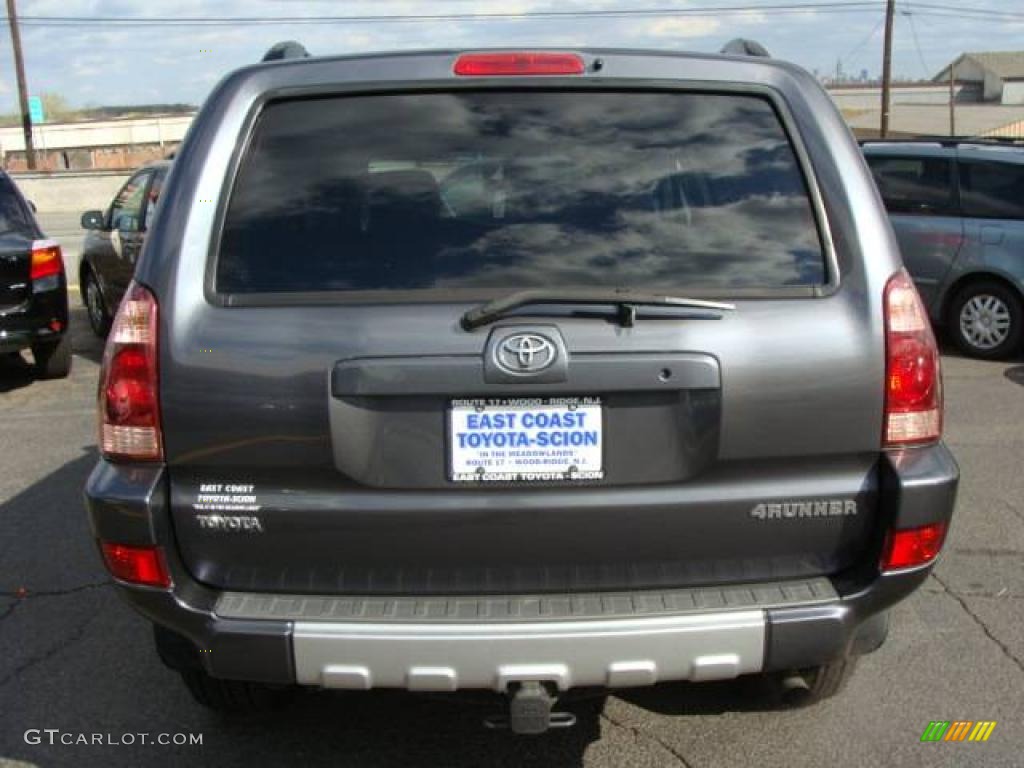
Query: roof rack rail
741 46
286 49
950 141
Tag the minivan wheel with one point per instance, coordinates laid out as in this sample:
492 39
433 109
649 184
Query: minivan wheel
233 697
986 320
817 683
53 359
95 306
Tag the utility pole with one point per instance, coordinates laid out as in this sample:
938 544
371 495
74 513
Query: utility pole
19 68
952 100
890 13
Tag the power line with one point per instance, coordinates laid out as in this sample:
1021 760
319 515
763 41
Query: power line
937 10
966 13
848 57
170 21
972 10
917 43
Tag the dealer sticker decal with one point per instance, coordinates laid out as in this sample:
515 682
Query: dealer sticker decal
219 507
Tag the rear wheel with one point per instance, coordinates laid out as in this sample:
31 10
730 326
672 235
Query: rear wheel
53 359
95 306
820 683
986 320
229 697
233 697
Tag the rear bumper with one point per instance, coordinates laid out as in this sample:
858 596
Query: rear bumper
15 341
29 323
603 639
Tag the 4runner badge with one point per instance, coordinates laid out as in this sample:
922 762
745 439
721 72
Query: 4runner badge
795 509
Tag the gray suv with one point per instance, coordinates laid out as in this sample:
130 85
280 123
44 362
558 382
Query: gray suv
958 211
519 371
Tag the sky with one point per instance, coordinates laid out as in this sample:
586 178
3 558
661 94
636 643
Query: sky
105 63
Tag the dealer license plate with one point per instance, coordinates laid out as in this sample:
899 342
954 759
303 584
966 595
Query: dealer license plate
521 440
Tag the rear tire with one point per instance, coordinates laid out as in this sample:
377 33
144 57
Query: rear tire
823 682
986 320
53 359
233 697
95 306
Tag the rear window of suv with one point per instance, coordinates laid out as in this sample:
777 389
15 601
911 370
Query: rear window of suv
518 189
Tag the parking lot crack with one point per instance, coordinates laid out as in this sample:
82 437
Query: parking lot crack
639 734
1014 509
984 627
69 639
24 594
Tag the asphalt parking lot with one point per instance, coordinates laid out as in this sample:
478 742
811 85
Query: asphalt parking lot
74 658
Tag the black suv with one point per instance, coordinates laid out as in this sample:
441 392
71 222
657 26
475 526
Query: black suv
113 242
524 372
33 288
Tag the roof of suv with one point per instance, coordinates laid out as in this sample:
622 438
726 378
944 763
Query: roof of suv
1008 152
592 55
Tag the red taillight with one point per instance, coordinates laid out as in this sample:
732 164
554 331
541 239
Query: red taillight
913 379
46 260
129 405
137 565
514 64
916 546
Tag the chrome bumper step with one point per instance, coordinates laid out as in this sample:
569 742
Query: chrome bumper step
617 654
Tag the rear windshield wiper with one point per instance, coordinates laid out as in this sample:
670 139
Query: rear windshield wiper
624 300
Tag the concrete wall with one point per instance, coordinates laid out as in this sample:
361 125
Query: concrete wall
99 144
871 97
100 133
124 158
70 191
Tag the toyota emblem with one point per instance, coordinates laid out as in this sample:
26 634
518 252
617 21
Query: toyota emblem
524 353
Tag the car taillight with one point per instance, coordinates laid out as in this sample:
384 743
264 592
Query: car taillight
913 379
47 265
912 547
514 64
129 404
136 565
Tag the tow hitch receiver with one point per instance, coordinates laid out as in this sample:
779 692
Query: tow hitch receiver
529 711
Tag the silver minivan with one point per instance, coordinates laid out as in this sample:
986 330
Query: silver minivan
958 212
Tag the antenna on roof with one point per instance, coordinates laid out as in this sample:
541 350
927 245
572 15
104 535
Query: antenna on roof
288 49
741 46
